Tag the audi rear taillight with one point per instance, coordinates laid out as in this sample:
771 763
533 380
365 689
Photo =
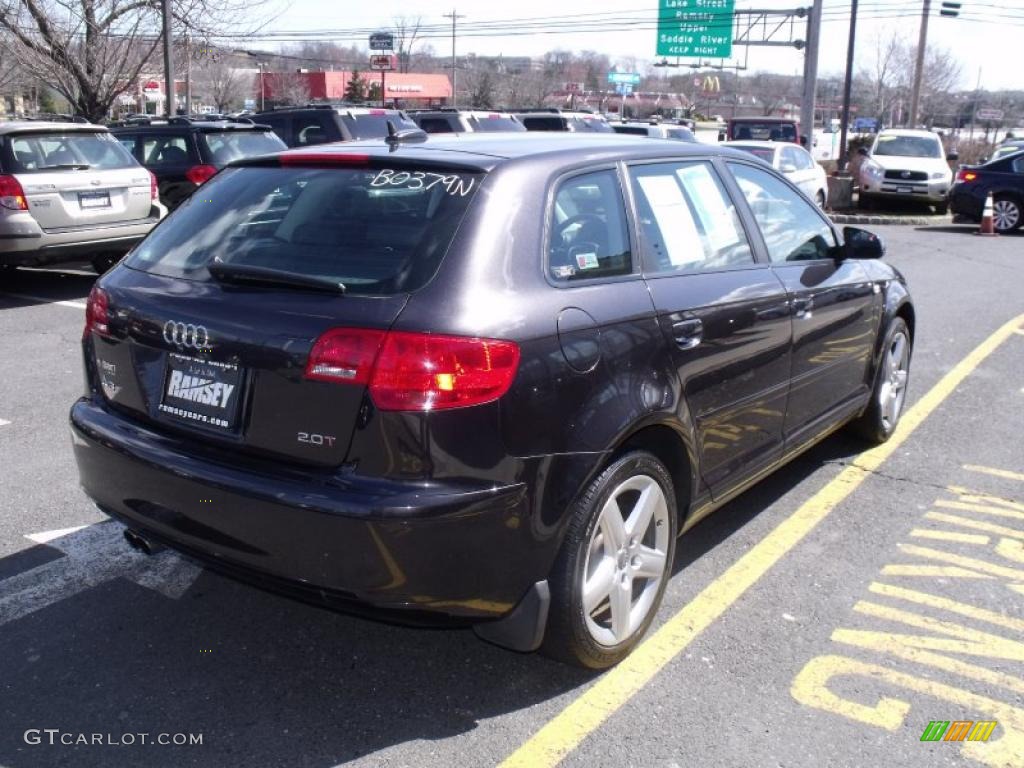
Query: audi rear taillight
344 354
963 175
416 371
97 312
154 190
199 174
11 194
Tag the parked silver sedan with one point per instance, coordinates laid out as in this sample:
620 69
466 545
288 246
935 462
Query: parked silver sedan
794 161
70 191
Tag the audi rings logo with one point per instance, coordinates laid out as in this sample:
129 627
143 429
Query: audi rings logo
186 335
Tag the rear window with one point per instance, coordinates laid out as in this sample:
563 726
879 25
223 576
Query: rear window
227 146
39 152
680 134
595 124
768 155
553 123
764 131
378 231
374 126
495 123
632 130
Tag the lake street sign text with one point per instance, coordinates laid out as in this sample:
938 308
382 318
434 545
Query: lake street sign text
695 28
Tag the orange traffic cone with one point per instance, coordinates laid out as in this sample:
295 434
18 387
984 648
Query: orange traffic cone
987 227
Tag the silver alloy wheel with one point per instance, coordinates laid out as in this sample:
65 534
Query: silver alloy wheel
894 386
626 560
1005 215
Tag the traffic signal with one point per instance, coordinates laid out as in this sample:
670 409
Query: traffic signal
950 9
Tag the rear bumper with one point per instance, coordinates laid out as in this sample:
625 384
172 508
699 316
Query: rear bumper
34 246
416 551
963 203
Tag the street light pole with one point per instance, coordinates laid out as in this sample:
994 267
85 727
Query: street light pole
811 73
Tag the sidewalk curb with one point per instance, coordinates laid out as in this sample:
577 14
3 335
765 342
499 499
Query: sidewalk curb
876 220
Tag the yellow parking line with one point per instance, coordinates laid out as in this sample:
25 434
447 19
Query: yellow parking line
1003 473
586 713
963 538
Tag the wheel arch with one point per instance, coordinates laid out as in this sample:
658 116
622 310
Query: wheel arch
670 447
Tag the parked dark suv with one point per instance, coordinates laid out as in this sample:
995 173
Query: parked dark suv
561 120
453 120
323 123
183 153
484 379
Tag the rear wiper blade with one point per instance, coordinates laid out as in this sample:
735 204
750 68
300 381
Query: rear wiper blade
244 273
65 167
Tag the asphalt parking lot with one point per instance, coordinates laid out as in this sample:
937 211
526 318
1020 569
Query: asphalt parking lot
823 619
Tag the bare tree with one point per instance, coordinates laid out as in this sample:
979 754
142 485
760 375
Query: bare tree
290 88
93 51
407 32
482 83
223 85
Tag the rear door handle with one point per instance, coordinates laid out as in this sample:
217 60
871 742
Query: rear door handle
802 307
687 333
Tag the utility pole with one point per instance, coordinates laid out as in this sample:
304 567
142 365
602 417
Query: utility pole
915 99
454 16
168 67
844 149
811 73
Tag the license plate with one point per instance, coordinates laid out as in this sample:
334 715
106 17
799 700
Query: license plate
905 190
94 199
201 392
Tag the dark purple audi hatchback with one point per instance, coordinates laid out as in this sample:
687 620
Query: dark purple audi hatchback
485 379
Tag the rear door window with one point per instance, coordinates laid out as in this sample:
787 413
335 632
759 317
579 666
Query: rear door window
165 150
687 219
311 129
588 233
34 152
378 231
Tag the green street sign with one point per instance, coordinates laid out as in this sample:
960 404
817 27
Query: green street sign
695 28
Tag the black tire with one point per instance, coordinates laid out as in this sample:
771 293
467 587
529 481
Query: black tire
942 209
569 637
820 199
876 423
1009 216
865 202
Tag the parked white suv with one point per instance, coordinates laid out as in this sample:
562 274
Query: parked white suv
906 165
70 191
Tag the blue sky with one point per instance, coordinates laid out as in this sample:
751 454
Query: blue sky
992 46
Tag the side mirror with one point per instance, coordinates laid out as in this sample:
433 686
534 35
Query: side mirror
803 140
952 157
862 151
721 135
861 244
787 168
